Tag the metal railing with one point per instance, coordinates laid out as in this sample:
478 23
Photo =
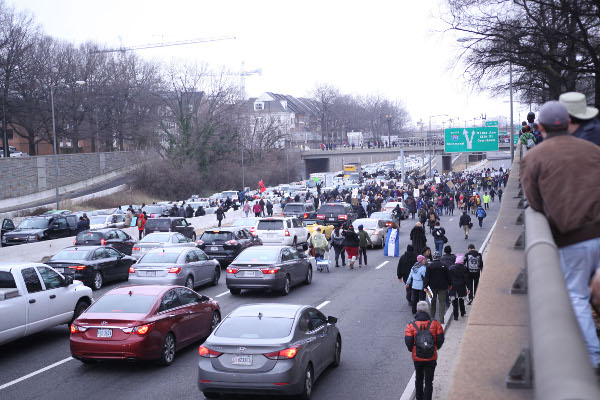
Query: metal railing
560 363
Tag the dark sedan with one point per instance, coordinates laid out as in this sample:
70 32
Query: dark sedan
93 265
271 268
170 224
34 229
225 244
143 323
115 238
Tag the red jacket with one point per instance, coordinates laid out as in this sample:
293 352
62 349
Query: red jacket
257 208
142 221
421 320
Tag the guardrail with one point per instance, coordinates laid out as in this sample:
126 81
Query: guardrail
560 364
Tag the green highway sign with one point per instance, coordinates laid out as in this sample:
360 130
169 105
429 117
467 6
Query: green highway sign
466 140
516 139
491 123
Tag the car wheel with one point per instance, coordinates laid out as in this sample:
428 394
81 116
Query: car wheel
189 282
167 354
308 384
88 361
216 276
214 320
337 353
211 395
286 285
97 282
79 308
309 274
235 291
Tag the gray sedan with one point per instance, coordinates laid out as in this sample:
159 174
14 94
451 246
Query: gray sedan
162 240
183 266
272 268
277 349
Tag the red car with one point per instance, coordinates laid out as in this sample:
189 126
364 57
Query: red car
148 322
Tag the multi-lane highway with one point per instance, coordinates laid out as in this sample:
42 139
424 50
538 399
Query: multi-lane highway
369 303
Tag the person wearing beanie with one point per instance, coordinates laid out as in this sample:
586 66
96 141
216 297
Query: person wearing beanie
556 175
416 281
408 259
363 242
438 280
459 276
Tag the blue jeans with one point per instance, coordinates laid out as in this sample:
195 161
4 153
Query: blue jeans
439 246
579 261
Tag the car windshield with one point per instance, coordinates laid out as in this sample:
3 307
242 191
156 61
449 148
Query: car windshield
294 208
332 209
91 236
34 223
72 254
366 223
270 225
255 328
153 209
158 224
159 258
98 220
381 215
260 254
213 236
156 238
245 222
122 303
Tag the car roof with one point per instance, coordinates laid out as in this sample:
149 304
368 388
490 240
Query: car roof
144 290
168 250
165 218
7 266
101 230
224 229
271 310
86 248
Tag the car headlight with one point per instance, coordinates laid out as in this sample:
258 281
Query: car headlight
33 237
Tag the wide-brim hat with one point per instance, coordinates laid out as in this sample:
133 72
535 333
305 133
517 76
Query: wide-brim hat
577 107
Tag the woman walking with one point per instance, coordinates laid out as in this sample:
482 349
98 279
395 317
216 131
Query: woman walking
458 286
351 242
418 238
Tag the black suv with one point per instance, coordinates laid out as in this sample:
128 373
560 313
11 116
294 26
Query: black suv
106 237
34 229
300 210
170 224
337 213
225 244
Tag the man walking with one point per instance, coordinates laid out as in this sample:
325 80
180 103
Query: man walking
364 241
141 224
424 337
438 279
337 241
481 214
500 193
465 223
474 263
560 179
220 214
486 200
408 259
439 237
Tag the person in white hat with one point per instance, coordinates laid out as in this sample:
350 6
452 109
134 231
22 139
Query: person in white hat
583 121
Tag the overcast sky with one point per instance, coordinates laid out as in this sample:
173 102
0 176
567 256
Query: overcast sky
381 47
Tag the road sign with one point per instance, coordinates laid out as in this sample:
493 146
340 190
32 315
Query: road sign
466 140
491 123
516 139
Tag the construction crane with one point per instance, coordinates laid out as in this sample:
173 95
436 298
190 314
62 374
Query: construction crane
164 44
243 73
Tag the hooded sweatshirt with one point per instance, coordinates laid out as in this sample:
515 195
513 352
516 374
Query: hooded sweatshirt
417 275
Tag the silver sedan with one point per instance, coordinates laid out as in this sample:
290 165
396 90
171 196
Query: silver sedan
162 240
182 266
276 349
376 229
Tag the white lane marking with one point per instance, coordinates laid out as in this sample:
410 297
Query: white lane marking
450 219
323 304
487 238
39 371
382 264
409 390
222 294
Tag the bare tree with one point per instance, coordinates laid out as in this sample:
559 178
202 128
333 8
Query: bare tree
325 95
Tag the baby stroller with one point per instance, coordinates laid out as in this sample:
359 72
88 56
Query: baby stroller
322 263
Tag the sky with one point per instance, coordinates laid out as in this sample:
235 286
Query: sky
392 48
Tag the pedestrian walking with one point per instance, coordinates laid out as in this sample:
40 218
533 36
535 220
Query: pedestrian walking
364 242
141 224
318 242
246 208
474 264
416 281
128 217
500 193
486 200
432 217
459 276
493 194
81 225
481 214
220 214
408 259
424 337
418 238
438 280
337 242
465 223
451 206
257 209
439 237
351 242
87 221
269 206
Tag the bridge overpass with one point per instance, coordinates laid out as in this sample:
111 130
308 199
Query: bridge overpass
334 160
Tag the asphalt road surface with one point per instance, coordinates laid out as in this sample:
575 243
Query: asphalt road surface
369 303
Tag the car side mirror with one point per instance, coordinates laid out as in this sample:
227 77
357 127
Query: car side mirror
331 320
68 280
204 299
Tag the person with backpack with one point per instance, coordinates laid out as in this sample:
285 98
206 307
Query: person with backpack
481 214
451 206
438 280
141 224
423 338
474 263
459 276
465 223
416 281
351 242
337 242
408 259
269 208
439 237
220 214
432 217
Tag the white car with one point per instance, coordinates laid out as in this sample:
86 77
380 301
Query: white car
389 207
34 297
282 231
107 221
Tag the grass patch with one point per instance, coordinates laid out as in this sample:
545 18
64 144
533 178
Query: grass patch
111 201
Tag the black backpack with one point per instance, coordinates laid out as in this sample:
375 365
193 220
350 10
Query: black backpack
424 342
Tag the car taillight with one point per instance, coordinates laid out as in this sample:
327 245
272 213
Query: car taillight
208 353
74 242
253 231
77 267
174 270
305 215
287 233
388 224
232 242
272 270
344 217
232 270
77 328
320 217
103 242
131 270
286 354
135 248
199 242
375 233
138 330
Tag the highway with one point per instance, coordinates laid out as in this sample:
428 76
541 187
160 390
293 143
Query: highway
369 302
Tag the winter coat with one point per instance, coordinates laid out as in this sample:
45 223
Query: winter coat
128 218
220 214
364 239
448 259
351 239
405 264
257 208
418 238
477 255
481 212
246 207
337 240
437 276
421 320
465 219
459 276
439 233
417 276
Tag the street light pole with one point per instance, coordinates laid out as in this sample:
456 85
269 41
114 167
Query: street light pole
512 129
56 178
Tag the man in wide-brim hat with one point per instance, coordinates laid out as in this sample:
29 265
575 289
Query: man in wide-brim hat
583 121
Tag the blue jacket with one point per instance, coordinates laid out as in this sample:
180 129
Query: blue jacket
481 212
417 276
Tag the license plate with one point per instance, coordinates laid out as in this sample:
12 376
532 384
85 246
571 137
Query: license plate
150 273
104 333
214 249
270 235
61 270
241 360
248 273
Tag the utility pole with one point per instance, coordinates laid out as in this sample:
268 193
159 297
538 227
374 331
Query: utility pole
512 128
389 122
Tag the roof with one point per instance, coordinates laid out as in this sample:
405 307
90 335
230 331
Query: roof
168 249
224 229
7 266
140 289
298 105
270 310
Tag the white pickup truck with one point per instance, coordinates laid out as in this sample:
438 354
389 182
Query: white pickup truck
34 297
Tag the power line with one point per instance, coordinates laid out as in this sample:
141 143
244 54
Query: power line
165 44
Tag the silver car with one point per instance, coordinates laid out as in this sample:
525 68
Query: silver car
273 349
162 240
375 228
182 266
